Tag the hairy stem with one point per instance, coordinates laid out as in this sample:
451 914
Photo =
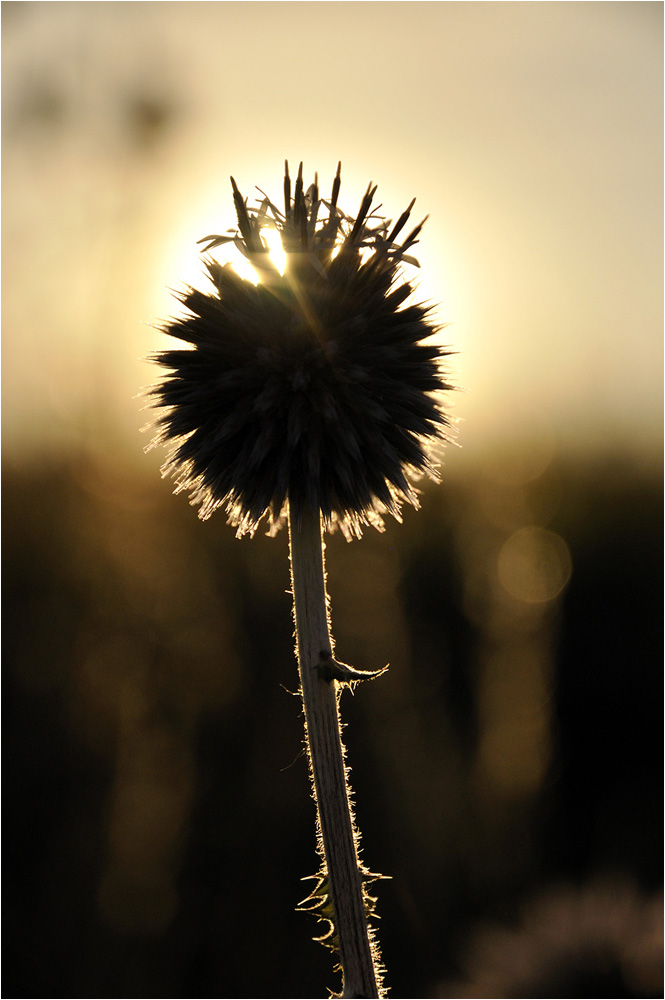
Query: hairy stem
326 756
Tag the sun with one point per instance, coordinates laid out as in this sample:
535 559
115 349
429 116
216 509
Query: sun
188 263
274 242
271 240
241 265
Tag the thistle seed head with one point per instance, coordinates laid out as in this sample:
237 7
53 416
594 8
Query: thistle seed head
321 386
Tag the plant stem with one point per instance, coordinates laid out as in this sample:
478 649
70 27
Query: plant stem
338 833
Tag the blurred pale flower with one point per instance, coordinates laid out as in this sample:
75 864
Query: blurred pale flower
601 940
320 386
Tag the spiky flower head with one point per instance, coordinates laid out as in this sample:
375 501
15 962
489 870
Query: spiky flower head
320 387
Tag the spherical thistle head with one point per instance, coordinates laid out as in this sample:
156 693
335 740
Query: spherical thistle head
320 387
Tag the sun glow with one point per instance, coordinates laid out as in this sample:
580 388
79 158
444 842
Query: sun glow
277 255
242 266
438 281
187 266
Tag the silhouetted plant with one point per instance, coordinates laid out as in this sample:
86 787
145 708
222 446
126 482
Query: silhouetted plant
315 396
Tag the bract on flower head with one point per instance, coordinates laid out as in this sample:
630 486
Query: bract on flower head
320 386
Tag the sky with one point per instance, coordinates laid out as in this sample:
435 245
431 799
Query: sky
529 133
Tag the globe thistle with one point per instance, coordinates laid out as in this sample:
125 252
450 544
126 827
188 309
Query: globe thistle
316 393
320 386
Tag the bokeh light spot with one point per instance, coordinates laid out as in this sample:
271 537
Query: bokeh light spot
534 565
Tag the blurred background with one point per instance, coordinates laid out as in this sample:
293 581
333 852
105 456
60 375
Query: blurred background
507 770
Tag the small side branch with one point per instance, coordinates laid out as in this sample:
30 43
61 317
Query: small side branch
330 669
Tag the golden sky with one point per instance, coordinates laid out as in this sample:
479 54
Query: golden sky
531 133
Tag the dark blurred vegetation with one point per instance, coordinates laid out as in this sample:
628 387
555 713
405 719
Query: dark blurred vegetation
507 770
